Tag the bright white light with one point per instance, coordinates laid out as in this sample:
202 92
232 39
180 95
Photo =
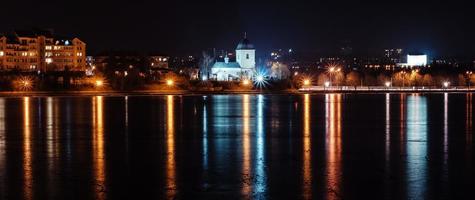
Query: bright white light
327 84
446 84
388 84
417 60
49 60
260 78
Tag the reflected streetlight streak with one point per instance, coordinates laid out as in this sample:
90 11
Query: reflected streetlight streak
469 127
2 148
307 150
205 138
446 130
387 148
126 138
98 147
171 163
333 142
261 176
246 147
27 151
388 128
49 131
51 136
402 109
469 121
416 169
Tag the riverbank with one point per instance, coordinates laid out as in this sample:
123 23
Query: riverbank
366 90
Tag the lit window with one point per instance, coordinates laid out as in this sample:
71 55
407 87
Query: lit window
48 47
49 60
1 53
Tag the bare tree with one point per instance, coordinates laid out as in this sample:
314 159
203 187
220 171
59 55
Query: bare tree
205 65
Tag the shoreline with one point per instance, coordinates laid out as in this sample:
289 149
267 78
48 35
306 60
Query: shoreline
185 92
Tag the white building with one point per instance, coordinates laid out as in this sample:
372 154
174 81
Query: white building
415 60
243 68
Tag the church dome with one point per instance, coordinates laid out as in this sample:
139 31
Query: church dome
245 44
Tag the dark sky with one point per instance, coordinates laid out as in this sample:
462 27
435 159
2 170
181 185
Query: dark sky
187 27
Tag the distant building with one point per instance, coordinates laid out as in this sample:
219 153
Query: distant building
243 68
415 60
41 50
393 55
157 61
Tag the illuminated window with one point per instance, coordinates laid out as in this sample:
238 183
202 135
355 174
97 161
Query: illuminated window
49 60
48 47
1 53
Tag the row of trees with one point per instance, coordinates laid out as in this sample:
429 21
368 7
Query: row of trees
413 78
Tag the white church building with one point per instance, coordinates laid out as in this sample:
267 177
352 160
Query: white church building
243 68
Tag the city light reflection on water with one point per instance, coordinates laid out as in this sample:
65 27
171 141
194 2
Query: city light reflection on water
27 151
307 149
247 146
98 142
333 145
416 146
170 160
2 148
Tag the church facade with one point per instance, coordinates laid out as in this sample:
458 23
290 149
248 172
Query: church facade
243 68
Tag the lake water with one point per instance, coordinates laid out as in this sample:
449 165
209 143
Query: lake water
323 146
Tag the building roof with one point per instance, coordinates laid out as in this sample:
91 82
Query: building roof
245 44
226 65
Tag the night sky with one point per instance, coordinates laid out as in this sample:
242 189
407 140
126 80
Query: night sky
182 27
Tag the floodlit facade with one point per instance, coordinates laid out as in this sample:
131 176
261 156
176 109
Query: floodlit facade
40 50
417 60
243 68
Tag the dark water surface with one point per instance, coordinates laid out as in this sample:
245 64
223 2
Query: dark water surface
325 146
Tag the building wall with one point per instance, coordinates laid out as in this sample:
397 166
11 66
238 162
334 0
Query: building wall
42 53
158 61
224 74
246 58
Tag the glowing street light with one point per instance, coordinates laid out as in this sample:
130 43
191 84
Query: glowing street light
446 84
260 79
26 83
327 83
388 84
245 82
306 82
99 83
170 82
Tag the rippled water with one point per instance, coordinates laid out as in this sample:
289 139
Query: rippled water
325 146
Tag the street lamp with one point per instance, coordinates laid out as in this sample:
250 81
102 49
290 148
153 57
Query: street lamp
388 84
170 82
99 83
469 75
306 82
446 84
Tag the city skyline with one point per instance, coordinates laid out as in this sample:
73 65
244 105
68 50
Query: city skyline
181 28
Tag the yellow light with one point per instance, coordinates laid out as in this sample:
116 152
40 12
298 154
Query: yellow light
388 84
99 83
306 82
245 82
169 82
